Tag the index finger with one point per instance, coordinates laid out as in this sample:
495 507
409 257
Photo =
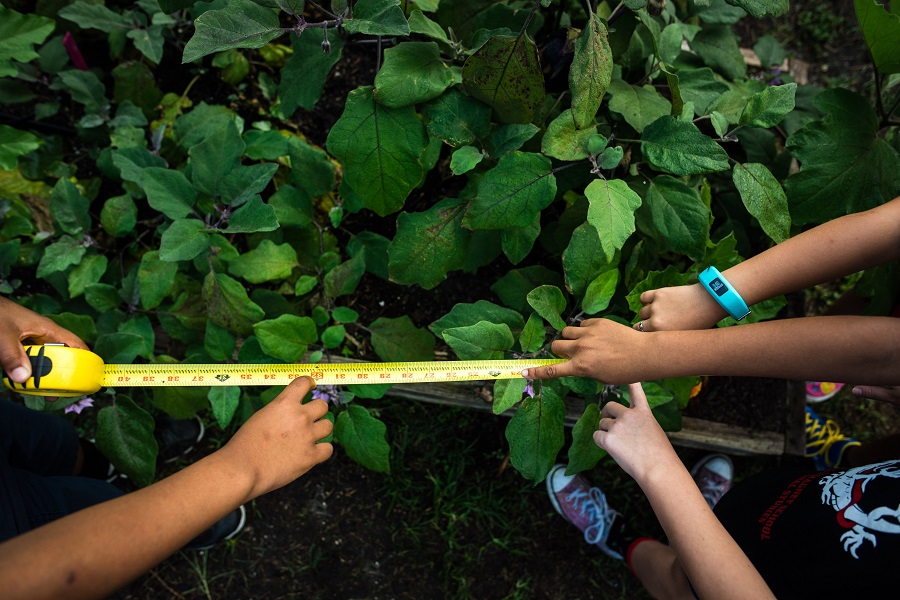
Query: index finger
565 369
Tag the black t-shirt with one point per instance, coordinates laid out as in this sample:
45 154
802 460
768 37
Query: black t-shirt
831 534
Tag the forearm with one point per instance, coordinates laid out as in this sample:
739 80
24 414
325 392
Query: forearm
714 563
87 555
851 349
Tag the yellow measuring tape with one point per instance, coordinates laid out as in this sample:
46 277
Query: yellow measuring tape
67 372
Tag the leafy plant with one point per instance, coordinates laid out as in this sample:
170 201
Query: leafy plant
591 151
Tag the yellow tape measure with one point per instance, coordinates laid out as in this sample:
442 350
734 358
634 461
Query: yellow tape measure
58 370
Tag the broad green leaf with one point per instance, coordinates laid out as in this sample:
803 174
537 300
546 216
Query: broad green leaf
881 30
95 16
599 292
85 88
224 402
462 315
125 437
506 74
305 285
286 337
513 193
228 305
509 138
768 107
377 17
292 207
481 341
149 42
419 23
19 33
265 145
252 217
564 141
428 244
701 87
218 342
60 255
216 156
241 24
181 402
533 334
764 199
168 191
845 166
681 149
591 72
412 72
584 453
513 287
87 272
549 302
507 393
342 314
610 157
119 347
457 119
536 434
311 168
656 394
304 74
82 325
183 240
343 279
119 215
762 8
333 336
363 437
133 161
584 259
245 183
517 242
15 143
69 208
769 51
611 212
399 340
680 220
465 159
718 47
143 329
639 106
102 298
267 262
379 149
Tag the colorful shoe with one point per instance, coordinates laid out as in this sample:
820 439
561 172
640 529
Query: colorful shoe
825 444
583 506
713 475
820 391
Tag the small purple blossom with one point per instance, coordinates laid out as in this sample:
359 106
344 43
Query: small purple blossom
77 407
529 389
328 393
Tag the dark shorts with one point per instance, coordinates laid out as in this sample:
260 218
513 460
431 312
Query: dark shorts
37 455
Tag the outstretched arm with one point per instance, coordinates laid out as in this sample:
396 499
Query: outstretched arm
712 560
834 249
92 553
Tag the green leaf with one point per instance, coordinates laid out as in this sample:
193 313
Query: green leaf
881 31
267 262
517 242
241 24
343 279
611 212
216 156
228 305
591 72
680 219
584 453
149 42
845 167
428 244
224 402
85 88
768 107
549 302
19 33
457 119
533 334
465 159
133 161
509 138
412 72
363 437
15 143
287 337
681 149
183 240
702 87
305 284
102 298
312 170
507 393
60 255
218 342
245 183
304 74
87 272
69 208
639 106
95 16
119 348
564 141
333 336
119 215
379 148
762 8
168 191
378 17
125 437
462 315
513 193
342 314
718 47
181 402
506 74
536 434
513 287
399 340
764 199
143 329
419 23
481 341
155 279
584 259
81 325
599 292
252 217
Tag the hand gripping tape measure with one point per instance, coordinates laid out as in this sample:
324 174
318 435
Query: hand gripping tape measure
57 370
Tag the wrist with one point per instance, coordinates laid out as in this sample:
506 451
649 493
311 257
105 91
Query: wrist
238 469
724 293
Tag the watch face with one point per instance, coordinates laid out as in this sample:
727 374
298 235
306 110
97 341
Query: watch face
718 287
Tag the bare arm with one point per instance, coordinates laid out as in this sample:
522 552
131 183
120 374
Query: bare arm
93 552
831 250
712 560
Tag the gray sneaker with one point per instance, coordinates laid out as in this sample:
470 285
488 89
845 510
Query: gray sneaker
583 506
713 475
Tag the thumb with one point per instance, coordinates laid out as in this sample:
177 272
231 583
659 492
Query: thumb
564 369
638 397
14 360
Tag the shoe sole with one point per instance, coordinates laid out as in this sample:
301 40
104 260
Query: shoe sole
190 448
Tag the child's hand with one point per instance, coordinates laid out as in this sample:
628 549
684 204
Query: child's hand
679 308
633 437
882 393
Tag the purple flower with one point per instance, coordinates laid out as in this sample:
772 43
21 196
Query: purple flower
328 393
529 389
77 407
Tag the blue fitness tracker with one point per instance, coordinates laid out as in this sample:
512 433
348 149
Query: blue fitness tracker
723 293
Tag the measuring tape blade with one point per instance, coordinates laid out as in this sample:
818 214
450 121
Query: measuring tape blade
63 371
